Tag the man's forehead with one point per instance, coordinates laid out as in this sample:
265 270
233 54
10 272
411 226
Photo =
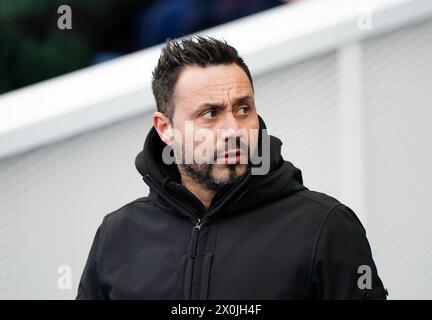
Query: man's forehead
210 82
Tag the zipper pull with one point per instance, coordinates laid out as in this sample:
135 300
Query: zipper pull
198 224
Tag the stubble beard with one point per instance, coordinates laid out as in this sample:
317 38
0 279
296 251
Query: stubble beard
202 174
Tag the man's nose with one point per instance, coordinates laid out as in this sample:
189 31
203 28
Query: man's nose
231 128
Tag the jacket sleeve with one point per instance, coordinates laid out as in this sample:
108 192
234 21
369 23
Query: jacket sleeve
89 287
342 263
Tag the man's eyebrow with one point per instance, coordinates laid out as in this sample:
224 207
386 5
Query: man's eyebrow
206 106
209 105
243 99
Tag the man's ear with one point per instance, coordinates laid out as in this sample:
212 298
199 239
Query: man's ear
162 125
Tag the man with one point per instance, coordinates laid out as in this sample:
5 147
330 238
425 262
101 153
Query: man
218 223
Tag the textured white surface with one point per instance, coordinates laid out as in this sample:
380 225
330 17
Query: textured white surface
53 199
398 158
299 105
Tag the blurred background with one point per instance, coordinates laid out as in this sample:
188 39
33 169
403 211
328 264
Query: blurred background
346 85
35 49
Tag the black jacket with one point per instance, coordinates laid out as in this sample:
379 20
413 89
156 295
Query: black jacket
264 237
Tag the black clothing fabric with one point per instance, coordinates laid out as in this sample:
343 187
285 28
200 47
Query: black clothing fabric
263 237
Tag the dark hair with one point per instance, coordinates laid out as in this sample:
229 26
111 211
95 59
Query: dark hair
176 54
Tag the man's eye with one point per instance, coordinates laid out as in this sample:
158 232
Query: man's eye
244 110
210 114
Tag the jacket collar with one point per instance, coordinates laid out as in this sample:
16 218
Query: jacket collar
251 190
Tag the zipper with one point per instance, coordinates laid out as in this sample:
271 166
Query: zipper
195 237
198 224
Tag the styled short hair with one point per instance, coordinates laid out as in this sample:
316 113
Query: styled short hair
176 54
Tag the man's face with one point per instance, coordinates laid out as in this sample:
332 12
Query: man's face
216 102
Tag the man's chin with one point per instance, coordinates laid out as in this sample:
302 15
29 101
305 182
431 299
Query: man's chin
223 172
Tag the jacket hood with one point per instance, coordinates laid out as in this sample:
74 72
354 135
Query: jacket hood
282 180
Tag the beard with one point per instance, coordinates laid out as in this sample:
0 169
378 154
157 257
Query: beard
202 174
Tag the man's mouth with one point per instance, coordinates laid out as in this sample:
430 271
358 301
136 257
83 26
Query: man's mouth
231 157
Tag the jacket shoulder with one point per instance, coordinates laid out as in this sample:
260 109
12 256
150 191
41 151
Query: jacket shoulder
115 222
127 208
318 199
330 206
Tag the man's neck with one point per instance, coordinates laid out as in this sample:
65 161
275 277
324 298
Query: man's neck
204 195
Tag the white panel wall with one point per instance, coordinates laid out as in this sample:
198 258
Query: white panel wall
53 199
398 158
299 104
